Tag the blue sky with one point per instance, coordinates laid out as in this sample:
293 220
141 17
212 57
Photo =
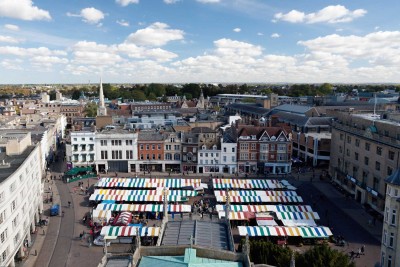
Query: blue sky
210 41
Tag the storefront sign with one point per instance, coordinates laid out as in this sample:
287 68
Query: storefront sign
351 178
372 191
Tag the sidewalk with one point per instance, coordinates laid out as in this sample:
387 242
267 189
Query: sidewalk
46 238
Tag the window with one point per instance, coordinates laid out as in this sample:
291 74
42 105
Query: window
244 146
379 150
366 160
168 156
13 205
391 155
2 196
3 236
103 142
341 136
244 156
233 149
83 138
153 147
377 166
253 156
177 156
355 155
389 261
224 159
167 147
75 139
141 156
2 216
393 219
128 142
15 222
349 139
348 152
340 149
104 154
195 149
376 184
233 158
141 146
154 156
357 142
147 147
129 154
253 146
389 171
391 240
12 187
177 147
387 214
367 146
224 149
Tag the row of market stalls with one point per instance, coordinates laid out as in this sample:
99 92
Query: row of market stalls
267 208
123 205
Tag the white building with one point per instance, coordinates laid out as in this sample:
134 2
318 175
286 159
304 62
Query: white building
81 152
209 160
228 154
20 194
116 150
390 247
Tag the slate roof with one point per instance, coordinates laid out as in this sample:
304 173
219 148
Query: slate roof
250 108
150 136
299 120
394 179
299 109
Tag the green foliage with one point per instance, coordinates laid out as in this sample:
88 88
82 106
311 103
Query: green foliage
191 88
52 95
75 94
266 252
138 95
323 256
91 109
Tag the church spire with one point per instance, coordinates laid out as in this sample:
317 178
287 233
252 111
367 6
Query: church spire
101 110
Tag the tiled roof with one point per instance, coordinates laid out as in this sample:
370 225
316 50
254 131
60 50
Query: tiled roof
394 178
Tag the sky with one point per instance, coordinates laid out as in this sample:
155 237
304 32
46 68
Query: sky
199 41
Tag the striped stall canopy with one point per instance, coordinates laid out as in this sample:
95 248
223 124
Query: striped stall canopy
260 199
309 222
303 231
138 198
297 215
117 231
254 193
237 216
266 208
141 192
221 183
100 216
143 207
147 182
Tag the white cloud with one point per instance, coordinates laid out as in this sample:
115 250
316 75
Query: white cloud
22 9
30 52
208 1
168 2
260 34
89 15
8 39
157 34
329 14
275 35
126 2
237 30
11 27
123 23
228 47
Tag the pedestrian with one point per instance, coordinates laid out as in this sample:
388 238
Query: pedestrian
359 253
362 250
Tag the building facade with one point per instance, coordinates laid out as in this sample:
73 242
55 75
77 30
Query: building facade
365 149
150 152
390 246
82 149
21 191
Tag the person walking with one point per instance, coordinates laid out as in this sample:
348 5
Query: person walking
362 250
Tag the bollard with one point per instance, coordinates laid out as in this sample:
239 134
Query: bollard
43 232
35 252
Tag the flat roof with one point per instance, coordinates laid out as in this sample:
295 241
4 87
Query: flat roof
15 162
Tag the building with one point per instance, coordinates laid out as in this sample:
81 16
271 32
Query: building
150 151
172 152
390 254
263 150
21 191
149 106
365 148
116 150
81 151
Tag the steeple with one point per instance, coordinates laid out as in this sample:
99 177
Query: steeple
101 110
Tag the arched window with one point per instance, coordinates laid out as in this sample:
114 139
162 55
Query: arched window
168 156
177 156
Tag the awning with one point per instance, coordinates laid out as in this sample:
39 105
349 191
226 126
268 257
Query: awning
265 208
309 222
101 216
117 231
305 232
297 215
237 216
138 198
221 183
144 192
143 207
254 193
147 182
265 219
260 199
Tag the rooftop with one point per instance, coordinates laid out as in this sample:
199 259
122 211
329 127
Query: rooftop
190 259
15 162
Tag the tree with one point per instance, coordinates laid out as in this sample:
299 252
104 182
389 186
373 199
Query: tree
76 94
91 109
52 95
138 95
323 255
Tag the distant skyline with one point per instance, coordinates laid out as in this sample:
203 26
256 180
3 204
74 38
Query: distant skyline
210 41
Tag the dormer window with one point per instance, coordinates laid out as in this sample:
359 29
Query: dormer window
204 147
214 147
